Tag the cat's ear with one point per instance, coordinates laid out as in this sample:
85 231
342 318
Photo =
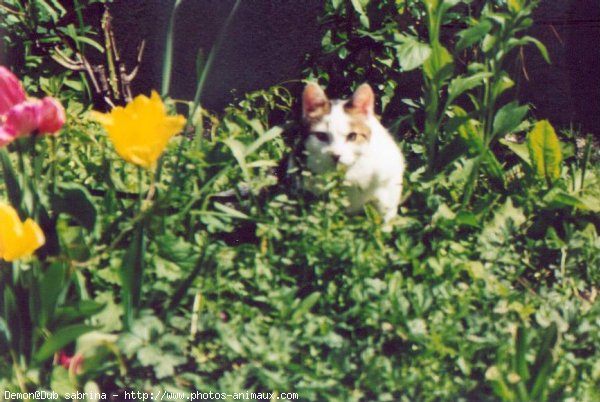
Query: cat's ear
363 100
314 102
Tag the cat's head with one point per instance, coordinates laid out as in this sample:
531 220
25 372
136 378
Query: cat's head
339 131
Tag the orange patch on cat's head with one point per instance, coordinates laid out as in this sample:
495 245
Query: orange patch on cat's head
359 126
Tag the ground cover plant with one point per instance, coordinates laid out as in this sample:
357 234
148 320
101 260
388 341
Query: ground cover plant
151 246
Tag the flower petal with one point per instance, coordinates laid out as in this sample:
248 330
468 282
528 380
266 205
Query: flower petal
10 229
6 135
18 239
11 90
52 115
33 237
24 118
141 130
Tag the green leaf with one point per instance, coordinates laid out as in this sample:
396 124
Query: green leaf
60 381
559 199
411 53
469 36
448 4
82 310
500 229
544 362
4 335
89 41
439 65
520 150
50 287
501 83
454 150
168 55
515 5
44 6
493 168
520 364
75 200
461 84
544 151
470 131
15 194
167 364
132 274
359 7
162 363
336 4
508 118
305 306
239 153
540 46
234 213
488 43
60 339
177 250
270 135
466 218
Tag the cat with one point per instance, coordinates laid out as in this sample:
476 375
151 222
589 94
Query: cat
347 134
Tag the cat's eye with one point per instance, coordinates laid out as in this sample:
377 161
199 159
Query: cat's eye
351 137
321 136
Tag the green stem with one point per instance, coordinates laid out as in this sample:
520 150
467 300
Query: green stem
586 158
472 179
35 175
140 200
211 58
187 282
19 373
53 170
24 180
168 57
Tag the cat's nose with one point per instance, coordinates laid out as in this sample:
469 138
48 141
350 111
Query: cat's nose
336 158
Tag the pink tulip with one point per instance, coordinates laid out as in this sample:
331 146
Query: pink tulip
6 136
51 115
11 90
23 118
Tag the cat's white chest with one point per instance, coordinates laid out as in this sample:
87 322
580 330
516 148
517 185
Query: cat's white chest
363 173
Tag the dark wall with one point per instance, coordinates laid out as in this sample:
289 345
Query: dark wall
268 39
568 90
265 44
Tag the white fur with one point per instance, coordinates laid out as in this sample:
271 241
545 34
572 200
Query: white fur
373 169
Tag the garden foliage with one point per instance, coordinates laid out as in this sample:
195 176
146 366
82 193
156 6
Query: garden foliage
133 259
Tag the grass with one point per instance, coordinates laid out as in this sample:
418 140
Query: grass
282 292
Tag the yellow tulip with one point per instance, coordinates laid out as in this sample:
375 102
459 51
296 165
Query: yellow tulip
18 239
141 130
